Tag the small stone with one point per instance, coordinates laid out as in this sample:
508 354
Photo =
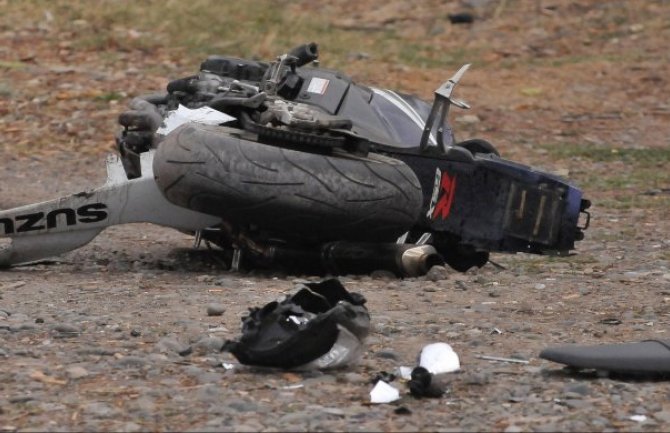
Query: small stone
354 378
579 389
215 310
76 372
171 345
437 273
66 329
100 410
243 406
204 278
131 361
135 332
663 416
477 379
208 344
387 354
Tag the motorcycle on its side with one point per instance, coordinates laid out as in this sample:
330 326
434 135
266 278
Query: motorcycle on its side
288 164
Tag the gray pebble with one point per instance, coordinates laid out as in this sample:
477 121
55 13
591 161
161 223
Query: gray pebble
663 416
131 427
209 377
100 409
387 354
477 379
354 378
171 345
22 327
577 403
215 310
578 389
437 273
208 344
131 361
66 329
243 406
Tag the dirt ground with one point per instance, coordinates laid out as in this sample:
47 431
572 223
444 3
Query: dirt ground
91 340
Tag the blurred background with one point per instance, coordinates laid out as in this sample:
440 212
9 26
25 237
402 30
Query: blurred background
579 87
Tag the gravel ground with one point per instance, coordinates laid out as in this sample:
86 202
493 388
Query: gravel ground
123 335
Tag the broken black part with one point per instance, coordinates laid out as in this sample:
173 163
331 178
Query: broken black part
384 376
461 18
402 410
422 384
301 328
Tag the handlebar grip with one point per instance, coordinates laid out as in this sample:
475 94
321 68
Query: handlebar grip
305 53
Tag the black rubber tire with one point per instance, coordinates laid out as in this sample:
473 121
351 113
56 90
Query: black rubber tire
290 194
477 145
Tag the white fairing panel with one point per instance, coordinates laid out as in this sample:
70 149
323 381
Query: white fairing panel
53 227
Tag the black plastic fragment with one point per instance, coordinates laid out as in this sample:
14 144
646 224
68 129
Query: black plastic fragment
423 384
301 328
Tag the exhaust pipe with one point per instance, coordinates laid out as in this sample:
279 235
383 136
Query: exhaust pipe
340 258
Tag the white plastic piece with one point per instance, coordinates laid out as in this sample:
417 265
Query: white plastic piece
384 393
638 418
439 358
181 115
53 227
405 372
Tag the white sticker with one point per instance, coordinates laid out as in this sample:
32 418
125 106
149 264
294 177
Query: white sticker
318 85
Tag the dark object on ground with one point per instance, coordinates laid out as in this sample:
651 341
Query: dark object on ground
402 410
425 384
321 326
384 376
461 18
641 358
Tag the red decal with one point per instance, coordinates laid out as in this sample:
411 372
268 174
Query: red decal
448 189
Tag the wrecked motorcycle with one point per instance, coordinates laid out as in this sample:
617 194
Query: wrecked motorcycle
289 164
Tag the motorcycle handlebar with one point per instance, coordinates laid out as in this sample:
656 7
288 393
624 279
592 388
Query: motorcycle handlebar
305 53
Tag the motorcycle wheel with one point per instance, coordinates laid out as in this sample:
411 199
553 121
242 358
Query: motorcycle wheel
283 193
477 145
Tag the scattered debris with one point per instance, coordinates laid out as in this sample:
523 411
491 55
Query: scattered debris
610 321
384 393
321 326
499 359
402 410
638 418
461 18
439 358
404 372
423 383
